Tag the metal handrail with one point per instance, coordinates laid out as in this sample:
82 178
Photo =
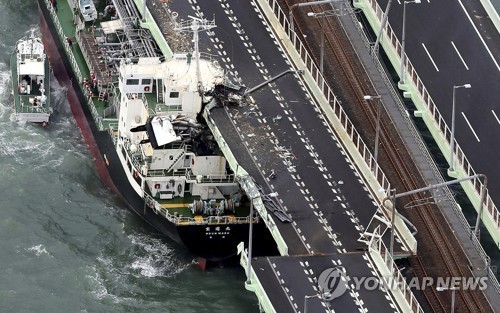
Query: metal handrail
415 80
337 108
186 220
76 69
378 246
465 224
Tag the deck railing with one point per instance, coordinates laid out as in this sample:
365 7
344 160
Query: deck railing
74 64
379 252
216 177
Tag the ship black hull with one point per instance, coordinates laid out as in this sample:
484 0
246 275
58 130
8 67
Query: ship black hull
211 242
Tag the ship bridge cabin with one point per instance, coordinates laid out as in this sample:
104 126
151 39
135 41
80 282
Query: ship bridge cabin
158 135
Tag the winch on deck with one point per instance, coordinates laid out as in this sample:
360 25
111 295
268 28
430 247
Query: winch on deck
211 208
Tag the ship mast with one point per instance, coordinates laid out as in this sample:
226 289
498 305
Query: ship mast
196 25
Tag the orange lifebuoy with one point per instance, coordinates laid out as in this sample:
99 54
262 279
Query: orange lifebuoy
157 186
146 88
136 174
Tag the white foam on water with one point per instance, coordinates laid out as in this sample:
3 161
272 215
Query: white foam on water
98 287
4 78
39 250
6 104
157 259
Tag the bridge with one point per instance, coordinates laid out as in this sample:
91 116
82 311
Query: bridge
296 139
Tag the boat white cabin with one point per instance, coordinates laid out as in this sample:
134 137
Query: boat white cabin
156 139
30 80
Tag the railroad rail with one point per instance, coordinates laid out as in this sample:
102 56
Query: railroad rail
394 158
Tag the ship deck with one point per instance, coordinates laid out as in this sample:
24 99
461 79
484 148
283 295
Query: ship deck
84 48
180 206
89 59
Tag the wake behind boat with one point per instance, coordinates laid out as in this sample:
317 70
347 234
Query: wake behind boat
30 80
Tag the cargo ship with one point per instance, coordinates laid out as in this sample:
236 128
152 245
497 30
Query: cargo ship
140 109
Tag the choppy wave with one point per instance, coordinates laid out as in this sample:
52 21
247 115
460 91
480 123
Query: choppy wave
146 259
154 257
98 286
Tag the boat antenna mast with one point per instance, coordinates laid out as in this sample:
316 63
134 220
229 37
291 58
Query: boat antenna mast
196 25
32 39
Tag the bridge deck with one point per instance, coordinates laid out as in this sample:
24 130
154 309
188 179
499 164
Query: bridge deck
292 281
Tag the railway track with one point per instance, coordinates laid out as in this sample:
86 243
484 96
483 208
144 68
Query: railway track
393 156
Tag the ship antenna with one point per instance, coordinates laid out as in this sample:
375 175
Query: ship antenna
196 25
32 37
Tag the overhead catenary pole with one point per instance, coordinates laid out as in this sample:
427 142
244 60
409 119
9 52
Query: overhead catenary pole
377 123
393 196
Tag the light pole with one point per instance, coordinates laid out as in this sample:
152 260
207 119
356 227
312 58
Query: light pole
452 296
451 169
290 13
322 296
377 127
402 73
322 42
250 236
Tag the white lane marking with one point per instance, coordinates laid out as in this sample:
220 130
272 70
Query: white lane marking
472 129
465 64
482 40
425 48
496 117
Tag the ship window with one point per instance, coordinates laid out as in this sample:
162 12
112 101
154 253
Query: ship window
132 82
174 94
146 81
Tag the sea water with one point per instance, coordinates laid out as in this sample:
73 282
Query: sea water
67 244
